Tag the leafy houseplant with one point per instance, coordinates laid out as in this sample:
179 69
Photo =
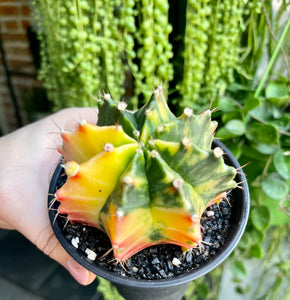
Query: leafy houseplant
145 178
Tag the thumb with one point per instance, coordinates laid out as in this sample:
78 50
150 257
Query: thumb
54 249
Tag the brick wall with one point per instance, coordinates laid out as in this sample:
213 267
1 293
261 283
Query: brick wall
15 18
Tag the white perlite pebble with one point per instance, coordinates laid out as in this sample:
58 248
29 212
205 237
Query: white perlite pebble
91 254
210 213
135 269
176 262
75 242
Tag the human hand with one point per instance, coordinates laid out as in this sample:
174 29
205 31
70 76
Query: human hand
28 158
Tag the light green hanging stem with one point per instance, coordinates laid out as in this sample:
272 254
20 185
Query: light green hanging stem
272 60
108 290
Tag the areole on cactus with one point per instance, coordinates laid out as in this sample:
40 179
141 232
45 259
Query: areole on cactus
145 177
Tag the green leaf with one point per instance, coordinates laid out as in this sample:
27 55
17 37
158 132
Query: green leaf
277 93
282 164
260 217
285 206
283 122
275 186
256 251
252 153
266 149
263 133
239 269
237 87
277 284
243 290
245 242
264 111
223 133
257 236
236 127
226 104
240 290
284 266
251 103
203 290
236 149
277 216
108 290
226 117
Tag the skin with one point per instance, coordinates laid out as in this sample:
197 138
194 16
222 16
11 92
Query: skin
28 158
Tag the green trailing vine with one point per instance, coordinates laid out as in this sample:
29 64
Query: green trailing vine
89 46
126 47
211 49
154 51
81 49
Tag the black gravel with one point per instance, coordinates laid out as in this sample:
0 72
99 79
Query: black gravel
158 262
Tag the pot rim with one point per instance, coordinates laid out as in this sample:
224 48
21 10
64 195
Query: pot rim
227 248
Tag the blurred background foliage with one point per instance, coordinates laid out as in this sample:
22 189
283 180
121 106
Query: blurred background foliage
233 55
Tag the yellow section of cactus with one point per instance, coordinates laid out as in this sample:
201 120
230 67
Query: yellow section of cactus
84 194
88 140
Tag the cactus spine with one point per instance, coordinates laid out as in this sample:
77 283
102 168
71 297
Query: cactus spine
143 178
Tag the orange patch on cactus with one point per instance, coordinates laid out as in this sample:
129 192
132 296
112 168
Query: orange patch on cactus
127 236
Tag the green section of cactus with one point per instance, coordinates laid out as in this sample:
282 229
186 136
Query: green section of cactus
158 173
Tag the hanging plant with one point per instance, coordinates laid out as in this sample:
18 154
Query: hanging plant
126 47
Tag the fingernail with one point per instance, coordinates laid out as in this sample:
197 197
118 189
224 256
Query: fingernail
79 273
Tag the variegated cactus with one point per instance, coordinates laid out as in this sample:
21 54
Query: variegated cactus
143 178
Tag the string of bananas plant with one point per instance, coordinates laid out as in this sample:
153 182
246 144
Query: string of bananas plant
91 45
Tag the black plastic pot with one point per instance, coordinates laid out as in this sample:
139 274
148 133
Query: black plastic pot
173 288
